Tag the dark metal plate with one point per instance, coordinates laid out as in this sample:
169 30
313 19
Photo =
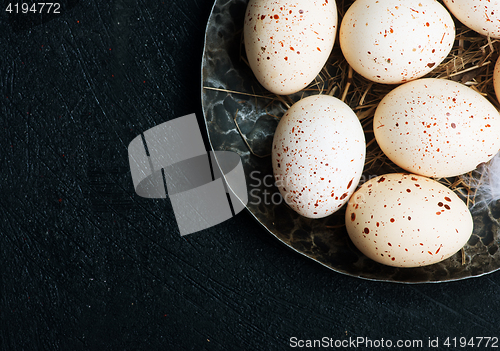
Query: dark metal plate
241 116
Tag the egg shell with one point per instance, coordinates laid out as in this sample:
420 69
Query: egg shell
394 41
482 16
496 79
437 127
288 42
318 155
406 220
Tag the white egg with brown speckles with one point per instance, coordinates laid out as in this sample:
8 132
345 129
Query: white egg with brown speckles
437 127
288 42
406 220
318 155
394 41
482 16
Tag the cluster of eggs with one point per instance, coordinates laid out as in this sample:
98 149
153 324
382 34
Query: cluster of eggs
428 127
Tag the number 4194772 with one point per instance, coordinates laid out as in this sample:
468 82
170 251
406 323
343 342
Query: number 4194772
38 7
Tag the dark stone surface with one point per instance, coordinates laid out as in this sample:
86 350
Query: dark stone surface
85 264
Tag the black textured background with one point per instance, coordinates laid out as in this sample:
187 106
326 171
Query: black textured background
85 264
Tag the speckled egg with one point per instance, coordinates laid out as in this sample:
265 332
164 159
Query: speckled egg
406 220
482 16
288 42
437 127
394 41
318 155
